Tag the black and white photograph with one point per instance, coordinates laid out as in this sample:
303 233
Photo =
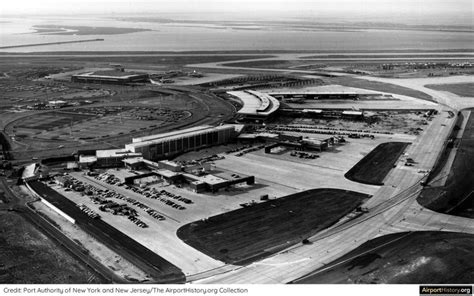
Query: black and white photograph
236 147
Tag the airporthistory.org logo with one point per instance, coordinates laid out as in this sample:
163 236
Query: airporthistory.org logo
446 290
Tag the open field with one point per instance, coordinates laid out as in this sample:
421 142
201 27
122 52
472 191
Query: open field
52 120
271 64
93 123
400 68
129 113
460 89
248 234
400 55
164 60
379 86
29 257
345 65
429 257
348 63
455 196
29 93
374 167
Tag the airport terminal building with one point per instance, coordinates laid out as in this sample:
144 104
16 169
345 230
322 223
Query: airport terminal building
164 145
110 77
256 105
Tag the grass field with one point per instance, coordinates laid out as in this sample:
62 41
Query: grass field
166 60
249 234
28 257
46 121
425 257
272 64
373 168
379 86
459 186
93 123
460 89
151 113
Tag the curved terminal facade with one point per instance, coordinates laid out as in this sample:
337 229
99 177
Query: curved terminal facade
257 105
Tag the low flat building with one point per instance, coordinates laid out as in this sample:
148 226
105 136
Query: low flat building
133 163
170 165
113 157
110 77
57 104
352 114
310 143
60 180
214 183
105 158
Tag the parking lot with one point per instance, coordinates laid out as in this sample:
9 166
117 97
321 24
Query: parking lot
159 236
163 209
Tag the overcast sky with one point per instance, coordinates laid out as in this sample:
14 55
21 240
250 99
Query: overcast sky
391 9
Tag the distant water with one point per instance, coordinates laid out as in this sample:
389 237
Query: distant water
186 37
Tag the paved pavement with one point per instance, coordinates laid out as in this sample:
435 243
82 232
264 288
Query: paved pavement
300 176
